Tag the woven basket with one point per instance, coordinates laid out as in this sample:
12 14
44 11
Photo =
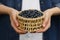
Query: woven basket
30 24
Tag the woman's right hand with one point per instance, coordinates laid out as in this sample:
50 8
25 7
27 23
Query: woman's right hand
14 22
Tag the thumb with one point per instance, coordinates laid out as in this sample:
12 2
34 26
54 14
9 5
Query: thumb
45 21
14 18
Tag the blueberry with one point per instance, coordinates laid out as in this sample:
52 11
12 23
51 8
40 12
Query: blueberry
30 14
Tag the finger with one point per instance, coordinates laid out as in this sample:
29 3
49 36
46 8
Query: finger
16 29
14 18
44 28
47 26
45 21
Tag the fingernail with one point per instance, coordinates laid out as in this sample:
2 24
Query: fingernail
43 25
16 24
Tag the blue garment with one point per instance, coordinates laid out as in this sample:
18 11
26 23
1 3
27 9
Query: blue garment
53 32
7 32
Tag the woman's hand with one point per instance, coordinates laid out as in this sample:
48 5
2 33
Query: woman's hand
12 13
47 20
14 22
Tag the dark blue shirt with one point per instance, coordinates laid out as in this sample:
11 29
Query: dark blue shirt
7 32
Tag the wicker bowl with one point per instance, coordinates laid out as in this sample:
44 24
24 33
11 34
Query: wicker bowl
30 24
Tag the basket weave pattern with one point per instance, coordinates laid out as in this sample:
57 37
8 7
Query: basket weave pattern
30 24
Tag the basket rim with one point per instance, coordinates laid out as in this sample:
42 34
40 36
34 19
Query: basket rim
24 18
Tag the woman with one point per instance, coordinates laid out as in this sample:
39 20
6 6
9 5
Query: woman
7 33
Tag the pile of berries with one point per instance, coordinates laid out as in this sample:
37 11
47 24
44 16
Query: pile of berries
30 14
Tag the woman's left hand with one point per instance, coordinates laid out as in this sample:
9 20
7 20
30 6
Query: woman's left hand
47 20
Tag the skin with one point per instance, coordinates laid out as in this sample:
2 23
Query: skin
12 13
47 19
